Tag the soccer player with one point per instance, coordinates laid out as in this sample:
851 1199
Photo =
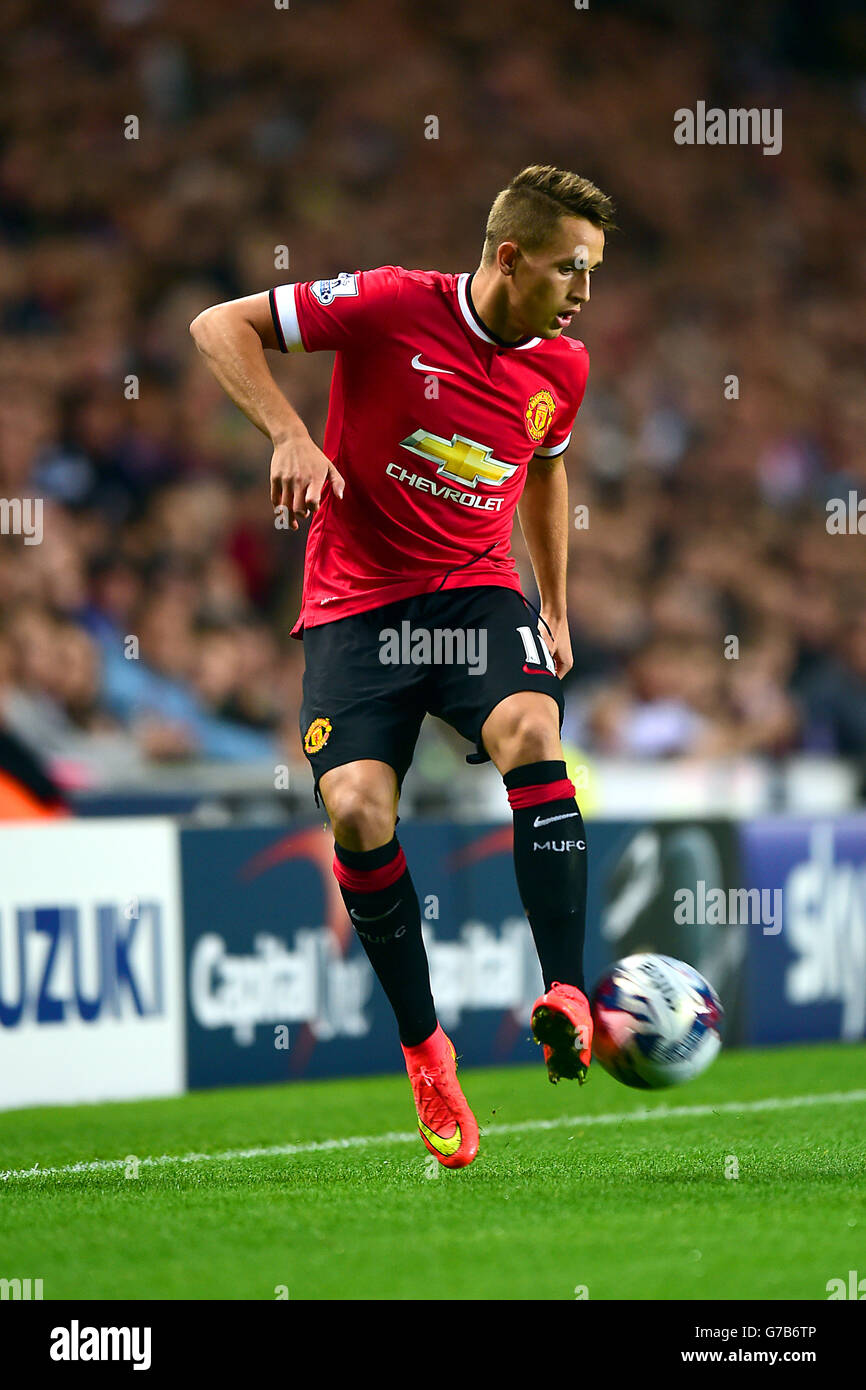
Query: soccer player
452 404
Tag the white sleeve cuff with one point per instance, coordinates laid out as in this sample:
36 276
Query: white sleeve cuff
555 449
285 315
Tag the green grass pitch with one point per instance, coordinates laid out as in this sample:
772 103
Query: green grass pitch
598 1192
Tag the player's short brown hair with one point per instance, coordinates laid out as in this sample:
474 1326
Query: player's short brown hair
529 209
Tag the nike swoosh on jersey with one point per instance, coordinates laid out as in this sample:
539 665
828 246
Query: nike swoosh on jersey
422 367
445 1147
550 819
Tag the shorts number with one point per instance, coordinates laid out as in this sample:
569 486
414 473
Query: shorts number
530 646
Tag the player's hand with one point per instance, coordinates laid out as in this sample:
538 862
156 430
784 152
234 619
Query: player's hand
560 644
299 471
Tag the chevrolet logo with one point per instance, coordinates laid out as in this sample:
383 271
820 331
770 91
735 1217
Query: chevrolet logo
460 459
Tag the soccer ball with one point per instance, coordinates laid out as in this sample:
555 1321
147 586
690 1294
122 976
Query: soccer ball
656 1021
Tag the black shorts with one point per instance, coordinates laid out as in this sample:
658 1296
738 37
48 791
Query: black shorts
370 679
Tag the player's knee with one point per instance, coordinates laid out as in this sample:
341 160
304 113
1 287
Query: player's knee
527 736
361 809
534 742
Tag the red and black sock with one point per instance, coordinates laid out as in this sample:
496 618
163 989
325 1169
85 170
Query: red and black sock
550 864
383 907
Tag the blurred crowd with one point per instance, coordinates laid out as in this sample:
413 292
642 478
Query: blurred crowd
711 610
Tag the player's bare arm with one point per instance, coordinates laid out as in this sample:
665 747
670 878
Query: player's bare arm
543 515
232 338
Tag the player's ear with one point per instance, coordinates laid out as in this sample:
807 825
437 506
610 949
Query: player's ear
508 255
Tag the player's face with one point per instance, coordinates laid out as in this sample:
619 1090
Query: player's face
552 284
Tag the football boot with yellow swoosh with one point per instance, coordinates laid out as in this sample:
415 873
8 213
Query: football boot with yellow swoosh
445 1122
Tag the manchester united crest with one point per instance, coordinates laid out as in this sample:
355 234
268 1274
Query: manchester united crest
539 413
317 735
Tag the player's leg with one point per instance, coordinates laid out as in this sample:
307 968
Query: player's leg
510 705
370 867
521 734
361 801
522 737
360 723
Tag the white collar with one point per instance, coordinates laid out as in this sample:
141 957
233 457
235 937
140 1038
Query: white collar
466 311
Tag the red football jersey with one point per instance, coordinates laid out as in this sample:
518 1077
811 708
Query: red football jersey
432 423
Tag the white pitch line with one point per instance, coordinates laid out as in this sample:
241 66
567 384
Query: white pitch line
366 1141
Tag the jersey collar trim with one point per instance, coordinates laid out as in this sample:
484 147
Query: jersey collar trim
467 309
